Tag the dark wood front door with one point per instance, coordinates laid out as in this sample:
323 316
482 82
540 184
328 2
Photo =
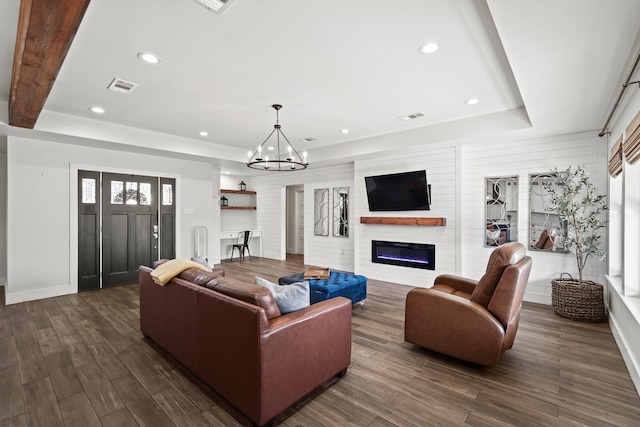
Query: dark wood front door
135 218
129 227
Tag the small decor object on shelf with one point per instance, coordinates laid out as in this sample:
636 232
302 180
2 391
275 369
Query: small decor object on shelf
575 200
243 186
224 201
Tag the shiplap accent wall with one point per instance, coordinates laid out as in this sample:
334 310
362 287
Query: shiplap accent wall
321 251
522 158
440 164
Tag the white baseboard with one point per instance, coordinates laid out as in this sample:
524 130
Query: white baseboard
36 294
537 298
632 363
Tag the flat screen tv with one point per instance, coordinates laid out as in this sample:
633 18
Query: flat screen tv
405 191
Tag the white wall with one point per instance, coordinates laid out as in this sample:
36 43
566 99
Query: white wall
457 172
3 218
321 251
522 158
292 215
42 218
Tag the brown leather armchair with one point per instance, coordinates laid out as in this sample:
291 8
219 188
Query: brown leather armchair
471 320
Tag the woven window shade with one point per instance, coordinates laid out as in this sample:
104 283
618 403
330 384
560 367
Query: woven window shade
631 145
615 159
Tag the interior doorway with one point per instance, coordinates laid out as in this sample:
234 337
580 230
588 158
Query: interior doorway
124 221
295 219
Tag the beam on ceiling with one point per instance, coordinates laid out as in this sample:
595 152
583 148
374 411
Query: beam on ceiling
46 29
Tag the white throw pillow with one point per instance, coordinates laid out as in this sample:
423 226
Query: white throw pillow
288 297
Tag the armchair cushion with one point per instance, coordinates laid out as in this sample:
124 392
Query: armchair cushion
459 284
500 259
452 325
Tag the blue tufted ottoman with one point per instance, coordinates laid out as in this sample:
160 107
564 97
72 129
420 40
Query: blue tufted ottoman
339 284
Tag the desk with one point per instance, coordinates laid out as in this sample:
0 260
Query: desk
228 238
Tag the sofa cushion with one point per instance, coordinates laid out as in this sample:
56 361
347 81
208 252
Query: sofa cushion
197 276
291 297
248 292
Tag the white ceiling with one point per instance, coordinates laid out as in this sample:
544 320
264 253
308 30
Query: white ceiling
339 64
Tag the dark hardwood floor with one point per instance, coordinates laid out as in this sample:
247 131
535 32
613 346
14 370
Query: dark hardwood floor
80 360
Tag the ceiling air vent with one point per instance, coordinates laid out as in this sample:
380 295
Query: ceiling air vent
413 116
123 86
217 6
309 139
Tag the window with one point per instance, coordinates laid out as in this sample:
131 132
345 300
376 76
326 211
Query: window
145 193
167 194
88 190
117 192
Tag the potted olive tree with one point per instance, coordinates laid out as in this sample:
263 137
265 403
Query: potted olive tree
575 199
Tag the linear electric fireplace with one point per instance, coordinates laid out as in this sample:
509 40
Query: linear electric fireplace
416 255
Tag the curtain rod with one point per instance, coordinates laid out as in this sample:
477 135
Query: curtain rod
624 87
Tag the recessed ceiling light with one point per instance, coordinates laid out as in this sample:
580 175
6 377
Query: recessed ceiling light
344 131
149 58
97 110
270 148
204 133
428 48
472 101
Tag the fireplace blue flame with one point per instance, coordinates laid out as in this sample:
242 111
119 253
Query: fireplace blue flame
415 255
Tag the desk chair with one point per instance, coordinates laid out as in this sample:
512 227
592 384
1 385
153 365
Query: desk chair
242 243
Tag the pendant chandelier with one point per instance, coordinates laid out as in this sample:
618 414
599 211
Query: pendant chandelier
285 157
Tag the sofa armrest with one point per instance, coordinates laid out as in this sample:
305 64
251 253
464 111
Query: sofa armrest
453 325
302 350
458 283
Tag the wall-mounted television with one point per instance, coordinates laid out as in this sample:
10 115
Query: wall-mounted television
405 191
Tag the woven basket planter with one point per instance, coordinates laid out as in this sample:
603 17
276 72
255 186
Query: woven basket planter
578 301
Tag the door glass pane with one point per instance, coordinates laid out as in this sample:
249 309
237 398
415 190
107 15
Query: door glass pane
131 195
88 190
167 194
117 192
145 193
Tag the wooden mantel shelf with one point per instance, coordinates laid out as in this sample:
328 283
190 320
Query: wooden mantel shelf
397 220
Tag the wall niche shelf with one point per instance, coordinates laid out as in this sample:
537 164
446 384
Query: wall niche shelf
245 208
396 220
242 192
250 193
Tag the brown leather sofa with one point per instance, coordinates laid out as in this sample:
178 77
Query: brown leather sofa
232 336
471 320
